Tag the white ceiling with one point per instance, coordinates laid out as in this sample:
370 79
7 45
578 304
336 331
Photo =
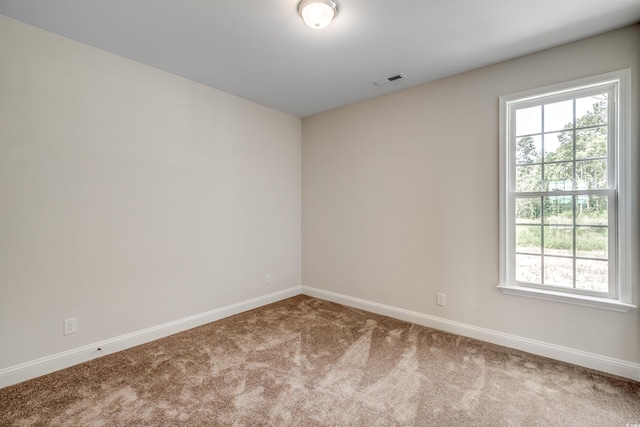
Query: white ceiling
262 51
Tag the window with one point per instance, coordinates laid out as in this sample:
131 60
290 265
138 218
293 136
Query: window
564 204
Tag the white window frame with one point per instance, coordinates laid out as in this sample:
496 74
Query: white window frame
619 298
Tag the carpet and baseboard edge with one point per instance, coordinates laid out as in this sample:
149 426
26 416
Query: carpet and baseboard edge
46 365
585 359
25 371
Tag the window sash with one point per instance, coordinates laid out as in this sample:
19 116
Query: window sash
612 291
612 120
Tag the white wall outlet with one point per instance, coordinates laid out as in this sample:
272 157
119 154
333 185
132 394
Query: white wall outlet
70 326
267 279
441 299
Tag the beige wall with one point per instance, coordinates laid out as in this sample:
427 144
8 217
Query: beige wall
400 200
130 197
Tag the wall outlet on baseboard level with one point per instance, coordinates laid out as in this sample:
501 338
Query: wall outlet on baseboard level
441 299
267 279
70 326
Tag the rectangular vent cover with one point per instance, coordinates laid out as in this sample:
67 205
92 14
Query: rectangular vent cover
389 79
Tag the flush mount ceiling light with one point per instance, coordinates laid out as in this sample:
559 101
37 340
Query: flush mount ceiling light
317 14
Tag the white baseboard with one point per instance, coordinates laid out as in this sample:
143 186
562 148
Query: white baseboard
55 362
565 354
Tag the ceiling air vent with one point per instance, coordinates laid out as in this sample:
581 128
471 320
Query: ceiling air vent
389 79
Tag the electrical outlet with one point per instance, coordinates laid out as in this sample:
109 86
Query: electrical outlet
267 279
441 299
70 326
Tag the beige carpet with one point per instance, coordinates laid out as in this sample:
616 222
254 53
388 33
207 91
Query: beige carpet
308 362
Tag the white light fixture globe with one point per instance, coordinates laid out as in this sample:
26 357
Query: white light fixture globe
317 14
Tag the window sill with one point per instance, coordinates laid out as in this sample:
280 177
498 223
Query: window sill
587 301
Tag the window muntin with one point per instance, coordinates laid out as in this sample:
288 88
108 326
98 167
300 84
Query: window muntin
560 179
